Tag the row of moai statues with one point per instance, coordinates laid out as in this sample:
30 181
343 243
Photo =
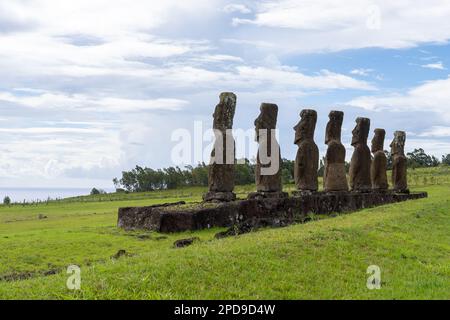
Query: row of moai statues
366 174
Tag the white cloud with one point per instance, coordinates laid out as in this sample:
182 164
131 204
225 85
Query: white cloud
361 72
103 18
235 7
437 65
290 77
436 131
91 103
433 96
328 25
49 131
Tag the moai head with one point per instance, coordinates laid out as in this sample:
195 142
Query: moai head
378 140
361 131
334 126
267 119
398 144
304 130
224 112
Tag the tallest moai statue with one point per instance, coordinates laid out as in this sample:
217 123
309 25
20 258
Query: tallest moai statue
335 178
307 160
268 160
221 168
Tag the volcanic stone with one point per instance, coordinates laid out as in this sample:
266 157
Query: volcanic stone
335 178
221 168
399 163
378 170
361 159
268 161
307 160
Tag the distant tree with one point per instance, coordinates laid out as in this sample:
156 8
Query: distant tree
347 166
418 158
96 191
287 170
244 172
116 183
200 175
7 201
321 167
389 159
286 176
446 159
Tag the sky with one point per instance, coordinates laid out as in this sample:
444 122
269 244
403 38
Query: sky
90 88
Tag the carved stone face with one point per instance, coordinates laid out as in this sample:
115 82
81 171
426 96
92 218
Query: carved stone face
267 119
224 112
378 140
334 126
398 144
361 131
304 130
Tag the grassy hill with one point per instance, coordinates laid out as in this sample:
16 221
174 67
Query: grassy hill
323 259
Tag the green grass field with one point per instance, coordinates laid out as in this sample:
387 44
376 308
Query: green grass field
324 259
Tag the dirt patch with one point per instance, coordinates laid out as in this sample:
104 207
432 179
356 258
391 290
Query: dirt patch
17 276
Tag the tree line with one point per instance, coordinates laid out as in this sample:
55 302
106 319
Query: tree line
141 179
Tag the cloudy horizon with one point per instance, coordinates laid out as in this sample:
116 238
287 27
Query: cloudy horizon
93 88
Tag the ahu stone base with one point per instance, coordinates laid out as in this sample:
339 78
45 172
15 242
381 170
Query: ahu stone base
267 212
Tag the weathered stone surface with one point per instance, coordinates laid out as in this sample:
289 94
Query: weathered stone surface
361 159
235 231
268 195
219 196
307 161
268 160
399 163
378 171
221 168
335 178
271 212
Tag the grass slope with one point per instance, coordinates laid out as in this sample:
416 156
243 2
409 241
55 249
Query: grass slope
324 259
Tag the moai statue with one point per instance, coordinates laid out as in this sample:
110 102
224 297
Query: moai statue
268 161
335 178
221 168
307 160
361 160
378 171
399 163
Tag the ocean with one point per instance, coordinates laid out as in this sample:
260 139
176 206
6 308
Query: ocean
34 194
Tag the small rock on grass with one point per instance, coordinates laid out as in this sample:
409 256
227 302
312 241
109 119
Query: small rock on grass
119 254
185 242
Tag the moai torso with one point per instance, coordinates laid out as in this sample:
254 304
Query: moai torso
361 160
221 169
378 170
399 163
307 160
268 172
335 178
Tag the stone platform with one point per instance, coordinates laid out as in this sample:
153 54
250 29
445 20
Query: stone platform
274 212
